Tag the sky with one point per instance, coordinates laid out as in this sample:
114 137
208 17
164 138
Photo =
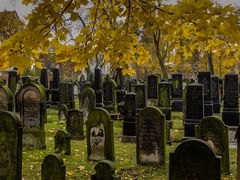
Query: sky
23 10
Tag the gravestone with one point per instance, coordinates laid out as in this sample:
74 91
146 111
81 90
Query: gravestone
130 85
129 114
152 90
100 137
74 124
76 94
97 87
205 79
31 100
238 152
194 159
6 99
10 147
105 170
176 92
44 82
70 91
12 80
216 95
230 114
215 133
109 96
62 112
25 78
194 108
140 90
63 93
87 101
62 143
55 86
53 168
151 137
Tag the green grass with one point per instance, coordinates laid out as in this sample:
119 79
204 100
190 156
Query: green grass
78 167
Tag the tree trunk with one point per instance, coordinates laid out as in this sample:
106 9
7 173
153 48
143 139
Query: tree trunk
210 62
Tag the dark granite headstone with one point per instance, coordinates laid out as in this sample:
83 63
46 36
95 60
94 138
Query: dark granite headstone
100 137
194 108
70 91
215 133
194 160
97 87
63 93
55 87
74 124
216 95
140 96
44 81
10 147
204 78
237 136
12 80
152 90
6 99
105 170
176 92
151 137
230 114
53 168
62 143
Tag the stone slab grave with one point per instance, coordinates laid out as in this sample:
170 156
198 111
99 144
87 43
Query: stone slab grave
31 100
100 137
151 137
63 93
105 170
74 124
62 142
194 159
216 95
53 168
10 146
152 90
140 90
62 113
204 78
129 121
194 108
213 131
230 114
87 101
97 87
6 99
176 92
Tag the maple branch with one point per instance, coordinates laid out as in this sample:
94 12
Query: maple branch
82 21
95 17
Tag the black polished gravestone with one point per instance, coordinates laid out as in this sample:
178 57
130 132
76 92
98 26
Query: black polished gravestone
100 137
105 170
62 112
230 114
31 100
120 92
10 146
55 86
215 133
97 87
63 93
152 90
44 82
53 168
71 101
194 108
204 78
62 142
140 90
74 124
194 160
216 95
129 114
6 99
176 92
12 80
151 137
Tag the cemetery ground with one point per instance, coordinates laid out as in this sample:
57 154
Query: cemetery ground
78 167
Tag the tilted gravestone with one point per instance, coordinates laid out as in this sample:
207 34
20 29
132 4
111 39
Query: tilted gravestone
140 90
194 159
204 78
74 124
31 100
53 168
230 114
87 101
151 137
10 146
100 137
62 112
152 90
105 170
215 133
6 99
216 95
176 92
62 142
129 114
97 87
109 95
194 108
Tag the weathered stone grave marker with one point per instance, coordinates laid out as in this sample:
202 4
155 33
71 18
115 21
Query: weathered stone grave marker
216 95
152 90
12 80
140 90
62 142
55 87
176 92
6 99
62 112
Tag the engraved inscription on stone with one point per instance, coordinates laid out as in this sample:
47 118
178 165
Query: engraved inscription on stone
152 87
4 159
